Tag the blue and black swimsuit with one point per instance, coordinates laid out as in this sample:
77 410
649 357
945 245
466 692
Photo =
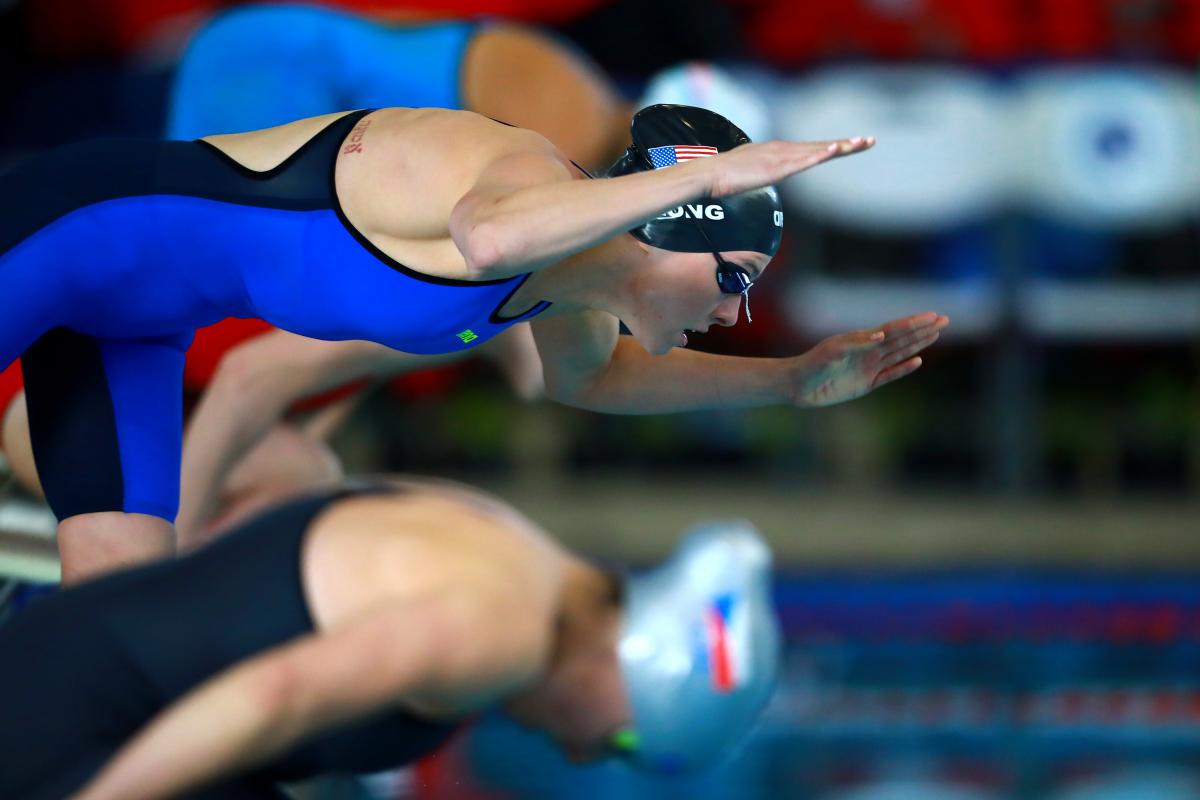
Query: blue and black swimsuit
113 252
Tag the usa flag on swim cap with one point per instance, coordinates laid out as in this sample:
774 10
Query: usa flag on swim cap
672 154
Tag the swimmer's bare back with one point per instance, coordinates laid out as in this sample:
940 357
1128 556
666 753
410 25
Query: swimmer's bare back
399 173
363 547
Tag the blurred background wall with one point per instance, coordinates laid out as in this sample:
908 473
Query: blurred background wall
988 571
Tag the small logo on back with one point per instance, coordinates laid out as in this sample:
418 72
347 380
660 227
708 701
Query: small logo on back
468 336
354 142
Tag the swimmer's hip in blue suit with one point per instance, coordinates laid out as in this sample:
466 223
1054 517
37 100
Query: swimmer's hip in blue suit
113 252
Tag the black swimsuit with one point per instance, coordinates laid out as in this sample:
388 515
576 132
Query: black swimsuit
82 671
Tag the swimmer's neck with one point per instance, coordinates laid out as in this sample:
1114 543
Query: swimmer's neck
587 629
589 602
588 624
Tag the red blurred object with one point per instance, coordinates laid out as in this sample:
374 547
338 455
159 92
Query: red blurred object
545 11
784 32
213 342
428 383
89 28
790 33
1164 624
11 384
1084 28
1127 624
447 775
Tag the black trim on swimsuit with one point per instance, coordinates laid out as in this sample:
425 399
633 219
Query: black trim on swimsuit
496 318
69 178
80 175
335 134
345 122
370 247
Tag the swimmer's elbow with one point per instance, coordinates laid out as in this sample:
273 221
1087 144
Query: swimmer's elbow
560 391
584 372
270 689
482 256
575 389
264 691
487 254
560 385
476 238
489 245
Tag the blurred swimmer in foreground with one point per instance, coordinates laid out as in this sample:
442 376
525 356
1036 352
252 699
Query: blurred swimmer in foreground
393 612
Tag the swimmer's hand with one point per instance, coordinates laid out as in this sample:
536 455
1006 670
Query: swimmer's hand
753 165
847 366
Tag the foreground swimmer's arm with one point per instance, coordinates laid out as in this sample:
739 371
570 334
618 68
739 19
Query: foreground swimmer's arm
259 708
258 381
525 212
589 366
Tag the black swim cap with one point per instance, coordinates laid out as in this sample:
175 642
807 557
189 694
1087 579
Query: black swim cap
664 135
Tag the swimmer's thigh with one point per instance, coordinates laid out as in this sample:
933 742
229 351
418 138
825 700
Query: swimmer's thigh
105 420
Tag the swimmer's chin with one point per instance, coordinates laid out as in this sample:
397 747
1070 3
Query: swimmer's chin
679 341
661 345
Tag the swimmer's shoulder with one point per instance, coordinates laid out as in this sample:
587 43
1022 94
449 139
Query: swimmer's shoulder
398 507
421 537
459 130
427 130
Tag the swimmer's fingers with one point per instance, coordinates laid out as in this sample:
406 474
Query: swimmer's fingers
914 323
846 147
899 333
754 165
911 346
880 354
897 372
798 156
861 340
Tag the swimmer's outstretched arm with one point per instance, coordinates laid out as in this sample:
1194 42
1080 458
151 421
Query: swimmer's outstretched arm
525 212
261 707
589 366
